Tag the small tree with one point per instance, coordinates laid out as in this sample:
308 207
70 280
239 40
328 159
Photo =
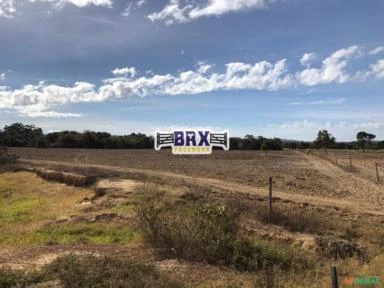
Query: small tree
363 138
324 140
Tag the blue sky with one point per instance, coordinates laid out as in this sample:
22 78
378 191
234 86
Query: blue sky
278 68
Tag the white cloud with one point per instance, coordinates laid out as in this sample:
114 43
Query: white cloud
171 13
307 59
50 114
8 8
204 68
377 70
127 10
83 3
131 6
3 76
124 71
319 102
34 100
174 12
140 3
377 50
332 69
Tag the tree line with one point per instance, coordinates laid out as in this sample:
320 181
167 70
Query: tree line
20 135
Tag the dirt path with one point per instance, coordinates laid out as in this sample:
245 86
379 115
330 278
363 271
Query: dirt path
374 206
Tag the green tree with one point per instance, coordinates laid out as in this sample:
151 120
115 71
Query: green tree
20 135
364 138
324 140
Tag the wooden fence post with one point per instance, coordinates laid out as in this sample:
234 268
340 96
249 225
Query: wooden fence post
336 159
269 277
270 198
377 173
335 282
350 161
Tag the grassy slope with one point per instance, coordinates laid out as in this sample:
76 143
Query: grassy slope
28 205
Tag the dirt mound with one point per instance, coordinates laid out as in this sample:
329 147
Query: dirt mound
109 186
65 177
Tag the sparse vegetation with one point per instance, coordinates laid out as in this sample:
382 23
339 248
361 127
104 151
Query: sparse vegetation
89 271
11 278
297 220
209 232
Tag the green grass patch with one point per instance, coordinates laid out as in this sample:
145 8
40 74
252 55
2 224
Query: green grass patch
72 233
17 210
125 208
93 233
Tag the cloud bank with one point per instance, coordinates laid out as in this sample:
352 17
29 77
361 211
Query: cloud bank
36 100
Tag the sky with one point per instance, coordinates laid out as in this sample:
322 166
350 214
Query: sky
277 68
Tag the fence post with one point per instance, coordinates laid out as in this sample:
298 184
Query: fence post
377 173
269 277
335 282
350 161
270 198
336 159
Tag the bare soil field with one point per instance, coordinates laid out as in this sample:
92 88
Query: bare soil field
326 211
291 170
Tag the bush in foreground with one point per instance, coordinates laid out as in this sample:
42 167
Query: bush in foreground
209 233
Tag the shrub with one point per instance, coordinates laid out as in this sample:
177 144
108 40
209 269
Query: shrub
89 271
208 233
